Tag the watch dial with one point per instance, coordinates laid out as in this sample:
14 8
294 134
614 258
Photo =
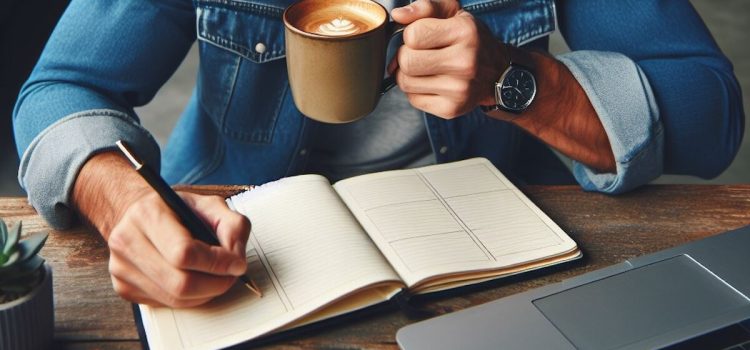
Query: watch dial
518 89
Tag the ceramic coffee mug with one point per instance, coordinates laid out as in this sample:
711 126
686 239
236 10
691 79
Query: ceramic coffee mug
335 55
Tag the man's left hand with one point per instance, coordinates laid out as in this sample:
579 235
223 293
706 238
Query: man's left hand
449 61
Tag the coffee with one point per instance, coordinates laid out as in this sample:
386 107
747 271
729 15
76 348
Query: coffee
335 56
337 18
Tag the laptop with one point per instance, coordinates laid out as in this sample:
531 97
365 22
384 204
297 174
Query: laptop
695 296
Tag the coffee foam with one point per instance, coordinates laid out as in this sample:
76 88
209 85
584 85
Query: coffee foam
338 26
337 18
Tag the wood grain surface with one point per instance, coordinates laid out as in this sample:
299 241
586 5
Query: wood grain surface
609 229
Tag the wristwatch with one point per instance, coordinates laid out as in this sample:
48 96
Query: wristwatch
516 88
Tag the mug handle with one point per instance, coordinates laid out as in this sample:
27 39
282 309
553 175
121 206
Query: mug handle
390 81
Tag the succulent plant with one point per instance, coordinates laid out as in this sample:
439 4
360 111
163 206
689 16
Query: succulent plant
20 267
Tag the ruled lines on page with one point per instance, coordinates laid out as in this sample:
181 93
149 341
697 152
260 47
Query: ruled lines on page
307 251
420 230
448 218
491 210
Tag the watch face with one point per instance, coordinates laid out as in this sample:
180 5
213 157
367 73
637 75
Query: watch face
517 90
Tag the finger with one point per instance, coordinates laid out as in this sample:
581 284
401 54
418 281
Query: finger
134 258
442 85
131 284
425 9
174 242
126 280
232 228
432 33
134 294
437 105
392 66
449 60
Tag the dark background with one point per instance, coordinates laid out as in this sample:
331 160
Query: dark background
24 28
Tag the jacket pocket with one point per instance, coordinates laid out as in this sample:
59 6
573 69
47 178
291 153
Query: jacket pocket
242 77
515 22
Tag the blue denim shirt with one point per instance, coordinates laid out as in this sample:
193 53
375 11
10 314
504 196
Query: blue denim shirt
665 93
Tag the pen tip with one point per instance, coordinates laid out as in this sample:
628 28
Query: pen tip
253 288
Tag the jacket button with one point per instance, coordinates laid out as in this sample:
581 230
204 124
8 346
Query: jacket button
443 149
260 47
303 152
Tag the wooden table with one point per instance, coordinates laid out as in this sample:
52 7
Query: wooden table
89 315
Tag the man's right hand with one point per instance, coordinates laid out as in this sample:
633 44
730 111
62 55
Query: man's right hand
153 258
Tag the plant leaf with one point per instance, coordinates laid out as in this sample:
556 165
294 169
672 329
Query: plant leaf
33 264
10 261
32 245
3 234
21 268
25 275
13 235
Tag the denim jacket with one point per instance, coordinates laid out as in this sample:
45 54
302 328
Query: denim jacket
664 92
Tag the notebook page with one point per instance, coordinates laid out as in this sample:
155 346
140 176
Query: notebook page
305 251
450 218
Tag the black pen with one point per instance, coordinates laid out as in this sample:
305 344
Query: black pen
192 222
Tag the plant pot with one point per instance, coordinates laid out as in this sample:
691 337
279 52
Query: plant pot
28 322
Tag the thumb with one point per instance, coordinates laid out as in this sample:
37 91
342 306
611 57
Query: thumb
425 9
231 228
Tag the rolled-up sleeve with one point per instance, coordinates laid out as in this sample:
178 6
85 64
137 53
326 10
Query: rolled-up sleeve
622 98
664 92
103 59
50 165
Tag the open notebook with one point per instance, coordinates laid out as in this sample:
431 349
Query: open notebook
318 250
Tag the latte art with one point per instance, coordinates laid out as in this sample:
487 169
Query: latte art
338 26
336 19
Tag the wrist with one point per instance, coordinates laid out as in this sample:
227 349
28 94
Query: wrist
501 63
562 116
551 93
105 187
514 89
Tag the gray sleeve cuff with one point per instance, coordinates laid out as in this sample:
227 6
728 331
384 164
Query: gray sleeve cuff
51 163
621 95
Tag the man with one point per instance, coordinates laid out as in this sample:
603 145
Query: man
645 90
